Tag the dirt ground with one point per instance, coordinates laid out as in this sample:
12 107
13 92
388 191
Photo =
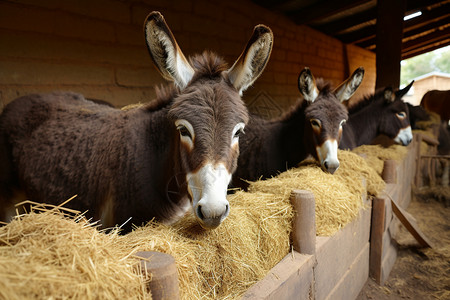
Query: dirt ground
419 273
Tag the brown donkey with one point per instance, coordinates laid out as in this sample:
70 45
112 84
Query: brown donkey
143 163
312 127
383 112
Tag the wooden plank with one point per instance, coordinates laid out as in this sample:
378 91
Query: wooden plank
291 278
411 225
388 243
338 253
388 215
388 261
418 176
376 237
354 279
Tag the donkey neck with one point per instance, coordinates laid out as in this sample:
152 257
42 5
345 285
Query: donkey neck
365 123
162 158
293 135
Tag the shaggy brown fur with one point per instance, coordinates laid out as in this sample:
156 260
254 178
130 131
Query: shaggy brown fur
373 116
122 163
438 102
270 147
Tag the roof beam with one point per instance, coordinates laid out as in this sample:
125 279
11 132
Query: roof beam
340 25
369 32
425 48
410 34
428 39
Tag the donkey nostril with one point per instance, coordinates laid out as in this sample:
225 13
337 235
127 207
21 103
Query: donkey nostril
199 212
325 164
227 209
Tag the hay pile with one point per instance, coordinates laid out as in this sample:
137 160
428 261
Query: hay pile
375 155
338 196
51 255
225 262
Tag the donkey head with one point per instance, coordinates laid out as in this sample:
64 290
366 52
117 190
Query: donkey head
208 113
395 121
325 114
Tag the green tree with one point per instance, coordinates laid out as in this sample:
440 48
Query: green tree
424 64
443 61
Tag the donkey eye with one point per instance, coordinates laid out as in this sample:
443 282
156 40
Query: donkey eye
401 115
184 131
315 123
239 132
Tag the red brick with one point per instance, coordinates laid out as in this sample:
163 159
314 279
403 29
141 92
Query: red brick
33 19
293 56
138 77
39 73
130 34
116 11
26 45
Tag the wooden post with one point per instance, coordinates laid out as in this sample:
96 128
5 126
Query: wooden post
304 224
389 42
418 177
376 238
161 268
389 173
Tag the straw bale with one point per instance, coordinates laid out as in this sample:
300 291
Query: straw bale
338 197
223 263
52 256
375 155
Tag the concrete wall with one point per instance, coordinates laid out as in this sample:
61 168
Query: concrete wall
97 47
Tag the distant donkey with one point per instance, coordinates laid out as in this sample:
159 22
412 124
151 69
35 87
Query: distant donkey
381 113
311 127
152 161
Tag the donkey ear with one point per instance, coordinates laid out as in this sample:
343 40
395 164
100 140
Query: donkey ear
346 89
252 61
164 50
307 85
400 93
389 95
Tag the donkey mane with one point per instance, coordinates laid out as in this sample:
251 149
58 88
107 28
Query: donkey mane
164 97
367 100
207 64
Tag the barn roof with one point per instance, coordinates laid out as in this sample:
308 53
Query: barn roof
435 73
354 21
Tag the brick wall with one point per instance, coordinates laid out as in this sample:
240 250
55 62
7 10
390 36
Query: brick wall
96 47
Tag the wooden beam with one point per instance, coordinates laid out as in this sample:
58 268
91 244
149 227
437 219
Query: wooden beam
425 49
411 225
369 32
341 25
427 39
409 34
389 42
